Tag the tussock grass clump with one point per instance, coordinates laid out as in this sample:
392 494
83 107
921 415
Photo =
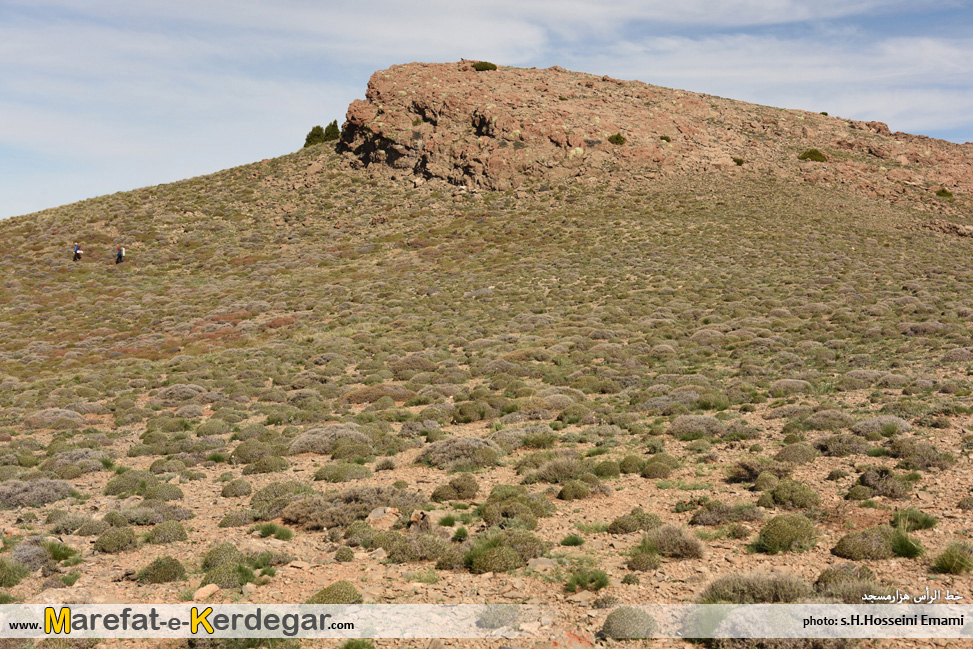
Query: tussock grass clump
161 571
460 453
11 573
628 623
634 521
32 493
911 519
786 533
115 540
956 559
342 472
462 487
586 579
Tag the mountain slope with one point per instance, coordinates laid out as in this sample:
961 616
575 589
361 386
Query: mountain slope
697 328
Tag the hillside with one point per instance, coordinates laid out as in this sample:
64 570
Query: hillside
303 339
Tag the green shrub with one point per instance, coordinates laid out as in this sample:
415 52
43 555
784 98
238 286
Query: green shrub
462 487
942 192
229 575
813 155
236 489
627 622
572 540
483 66
643 561
617 138
340 592
162 570
221 554
236 518
873 543
791 494
574 490
786 533
342 472
167 532
344 554
115 540
634 521
266 464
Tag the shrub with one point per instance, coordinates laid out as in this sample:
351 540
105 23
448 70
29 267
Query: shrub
884 482
671 541
131 483
510 506
813 155
756 588
220 554
586 579
915 454
956 559
873 543
574 490
11 573
167 532
342 472
462 487
237 518
714 512
92 527
800 453
627 622
966 504
163 492
634 521
269 502
162 570
791 494
115 540
32 493
631 464
266 464
942 192
344 554
340 592
643 561
460 453
572 540
236 489
617 138
484 66
314 136
229 575
334 510
786 533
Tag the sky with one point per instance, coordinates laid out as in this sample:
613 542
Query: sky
102 96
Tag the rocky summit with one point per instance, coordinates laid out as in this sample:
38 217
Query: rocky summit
502 128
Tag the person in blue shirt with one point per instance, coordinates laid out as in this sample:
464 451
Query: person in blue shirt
77 252
119 255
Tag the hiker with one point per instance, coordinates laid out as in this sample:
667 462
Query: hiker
120 255
77 252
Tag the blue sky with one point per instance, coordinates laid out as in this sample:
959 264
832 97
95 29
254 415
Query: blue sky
103 96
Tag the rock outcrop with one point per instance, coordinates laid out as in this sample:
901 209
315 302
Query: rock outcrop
499 129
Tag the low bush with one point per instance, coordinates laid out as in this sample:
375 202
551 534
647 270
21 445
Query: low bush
342 472
161 571
813 155
873 543
115 540
634 521
786 533
756 588
586 579
32 493
167 532
484 66
671 541
628 623
462 487
236 489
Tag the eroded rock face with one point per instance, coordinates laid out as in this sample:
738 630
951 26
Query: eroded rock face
498 129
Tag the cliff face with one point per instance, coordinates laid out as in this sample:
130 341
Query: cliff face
497 129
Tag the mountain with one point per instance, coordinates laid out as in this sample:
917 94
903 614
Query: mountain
701 369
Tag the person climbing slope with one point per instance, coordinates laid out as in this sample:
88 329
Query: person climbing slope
77 252
119 255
